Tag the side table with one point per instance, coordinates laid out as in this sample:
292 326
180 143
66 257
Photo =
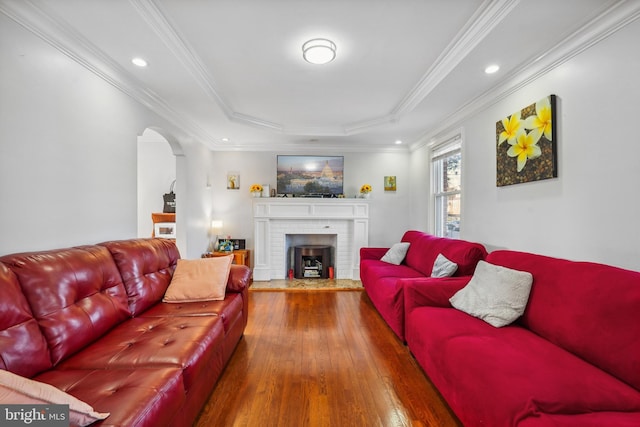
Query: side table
240 256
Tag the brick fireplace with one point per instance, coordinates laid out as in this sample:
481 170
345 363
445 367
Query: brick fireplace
282 223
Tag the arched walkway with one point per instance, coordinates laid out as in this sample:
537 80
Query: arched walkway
157 167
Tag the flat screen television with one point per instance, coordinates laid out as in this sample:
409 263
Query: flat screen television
310 176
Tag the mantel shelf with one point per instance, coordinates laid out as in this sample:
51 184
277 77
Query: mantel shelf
306 207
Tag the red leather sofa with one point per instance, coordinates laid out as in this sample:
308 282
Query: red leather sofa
384 282
89 320
571 360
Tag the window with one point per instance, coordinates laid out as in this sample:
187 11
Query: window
446 172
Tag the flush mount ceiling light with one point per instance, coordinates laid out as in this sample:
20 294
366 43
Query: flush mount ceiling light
319 51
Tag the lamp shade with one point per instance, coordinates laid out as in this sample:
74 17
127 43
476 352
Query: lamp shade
319 51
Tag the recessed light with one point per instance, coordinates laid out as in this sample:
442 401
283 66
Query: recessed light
398 142
492 69
139 62
225 139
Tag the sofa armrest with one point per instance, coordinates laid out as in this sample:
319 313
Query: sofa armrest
239 278
372 253
433 292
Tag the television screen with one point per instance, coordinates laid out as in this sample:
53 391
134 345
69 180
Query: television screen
310 176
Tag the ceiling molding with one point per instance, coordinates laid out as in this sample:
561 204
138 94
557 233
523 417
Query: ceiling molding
56 32
612 18
486 18
177 44
357 127
314 131
151 13
255 121
51 29
311 148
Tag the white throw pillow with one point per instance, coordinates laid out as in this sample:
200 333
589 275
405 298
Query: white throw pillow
396 253
15 389
443 267
495 294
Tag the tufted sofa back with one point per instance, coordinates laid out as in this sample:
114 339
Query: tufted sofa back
424 249
146 267
23 348
76 295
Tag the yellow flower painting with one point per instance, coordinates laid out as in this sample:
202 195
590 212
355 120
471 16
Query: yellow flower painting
511 125
524 148
530 152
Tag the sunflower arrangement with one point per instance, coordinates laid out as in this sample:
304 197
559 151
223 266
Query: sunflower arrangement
366 189
255 188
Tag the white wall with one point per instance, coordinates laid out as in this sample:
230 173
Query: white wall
388 210
420 190
589 211
67 149
193 200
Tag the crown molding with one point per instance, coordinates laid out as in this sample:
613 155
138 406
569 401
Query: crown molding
257 122
43 23
311 148
180 48
485 19
611 19
151 13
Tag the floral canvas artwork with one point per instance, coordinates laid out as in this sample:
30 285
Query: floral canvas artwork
526 144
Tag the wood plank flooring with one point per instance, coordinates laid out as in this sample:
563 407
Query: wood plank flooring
322 359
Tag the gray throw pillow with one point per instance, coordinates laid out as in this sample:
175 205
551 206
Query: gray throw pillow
396 253
495 294
443 267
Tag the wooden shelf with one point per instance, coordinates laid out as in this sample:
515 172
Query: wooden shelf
163 217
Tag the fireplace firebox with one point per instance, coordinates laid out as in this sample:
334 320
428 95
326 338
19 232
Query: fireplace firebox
312 261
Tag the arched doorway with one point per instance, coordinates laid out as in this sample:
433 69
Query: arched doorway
156 171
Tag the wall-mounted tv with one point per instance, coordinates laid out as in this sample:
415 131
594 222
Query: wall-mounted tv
310 176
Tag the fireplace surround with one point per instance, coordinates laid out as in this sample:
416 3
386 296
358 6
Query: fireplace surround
274 218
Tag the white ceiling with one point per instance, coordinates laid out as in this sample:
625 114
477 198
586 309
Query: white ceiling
405 69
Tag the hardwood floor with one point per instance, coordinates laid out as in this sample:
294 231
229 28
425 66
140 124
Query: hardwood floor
322 359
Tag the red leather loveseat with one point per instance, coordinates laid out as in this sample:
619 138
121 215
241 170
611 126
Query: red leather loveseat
571 360
89 320
384 282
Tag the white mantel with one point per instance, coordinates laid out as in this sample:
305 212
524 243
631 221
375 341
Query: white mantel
275 217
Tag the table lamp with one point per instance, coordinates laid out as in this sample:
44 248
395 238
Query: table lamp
216 230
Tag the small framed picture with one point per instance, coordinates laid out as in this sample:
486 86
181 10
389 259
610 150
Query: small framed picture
165 230
390 183
233 181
